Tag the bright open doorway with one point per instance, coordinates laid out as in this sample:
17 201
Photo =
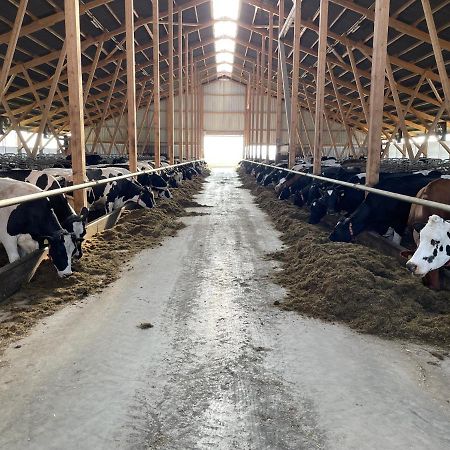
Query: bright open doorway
223 150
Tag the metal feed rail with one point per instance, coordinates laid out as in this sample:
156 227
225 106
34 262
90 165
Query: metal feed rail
65 190
361 187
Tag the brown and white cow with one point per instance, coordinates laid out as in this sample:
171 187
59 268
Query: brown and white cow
429 226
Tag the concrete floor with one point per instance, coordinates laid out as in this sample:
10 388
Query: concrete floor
222 368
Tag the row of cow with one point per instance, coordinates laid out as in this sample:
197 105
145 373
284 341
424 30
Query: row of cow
426 228
28 226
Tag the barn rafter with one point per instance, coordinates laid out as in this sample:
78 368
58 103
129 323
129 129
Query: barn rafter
34 77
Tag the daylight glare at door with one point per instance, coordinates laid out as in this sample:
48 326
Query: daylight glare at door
223 151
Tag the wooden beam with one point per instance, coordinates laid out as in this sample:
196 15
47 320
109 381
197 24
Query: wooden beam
186 98
194 108
393 23
294 89
358 83
170 98
376 89
320 90
246 120
180 88
199 126
257 104
252 113
202 120
399 108
156 85
131 85
49 21
437 49
269 82
279 88
261 95
14 37
49 100
72 21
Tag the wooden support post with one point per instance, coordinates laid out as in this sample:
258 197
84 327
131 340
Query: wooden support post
187 101
197 100
320 87
295 80
246 120
269 87
192 113
194 109
279 87
74 75
180 88
195 114
261 92
156 86
376 88
202 121
252 113
258 104
131 86
170 99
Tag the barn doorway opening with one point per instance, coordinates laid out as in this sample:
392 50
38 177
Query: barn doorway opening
223 150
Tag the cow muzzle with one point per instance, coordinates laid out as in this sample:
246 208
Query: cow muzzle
65 273
412 267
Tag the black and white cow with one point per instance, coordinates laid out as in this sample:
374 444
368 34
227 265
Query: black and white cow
25 227
379 213
73 223
337 199
109 196
116 194
153 181
275 174
433 251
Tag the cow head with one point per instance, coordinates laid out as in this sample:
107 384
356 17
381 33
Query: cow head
146 198
314 193
343 231
61 248
285 193
318 210
334 198
433 251
76 226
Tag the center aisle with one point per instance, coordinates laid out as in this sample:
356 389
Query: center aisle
221 368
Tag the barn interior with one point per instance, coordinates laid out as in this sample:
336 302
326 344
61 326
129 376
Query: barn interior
210 310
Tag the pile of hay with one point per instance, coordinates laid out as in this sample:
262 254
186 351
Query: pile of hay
351 283
104 257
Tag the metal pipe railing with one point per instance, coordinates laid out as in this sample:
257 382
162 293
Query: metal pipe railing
361 187
45 194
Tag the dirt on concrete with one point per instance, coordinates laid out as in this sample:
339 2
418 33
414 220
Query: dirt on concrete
104 257
350 283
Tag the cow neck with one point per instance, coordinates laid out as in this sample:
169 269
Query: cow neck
35 218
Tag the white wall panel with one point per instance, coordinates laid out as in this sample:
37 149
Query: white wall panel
224 108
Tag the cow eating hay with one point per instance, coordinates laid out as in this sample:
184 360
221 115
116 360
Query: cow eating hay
350 283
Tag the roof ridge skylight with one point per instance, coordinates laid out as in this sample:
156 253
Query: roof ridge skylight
225 15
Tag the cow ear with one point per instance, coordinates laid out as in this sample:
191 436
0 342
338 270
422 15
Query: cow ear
406 254
435 218
418 227
84 214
